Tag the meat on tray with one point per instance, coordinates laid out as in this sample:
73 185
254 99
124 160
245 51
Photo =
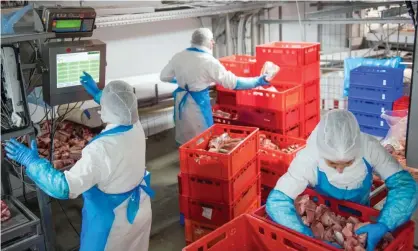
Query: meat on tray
69 139
223 143
328 226
5 212
400 156
267 143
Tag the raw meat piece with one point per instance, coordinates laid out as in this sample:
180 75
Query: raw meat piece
329 235
221 114
353 220
305 221
65 155
223 143
348 230
300 203
339 237
350 243
5 212
58 164
318 230
327 219
59 135
337 227
359 248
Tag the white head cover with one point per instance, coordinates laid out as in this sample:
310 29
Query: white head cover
338 136
202 37
119 104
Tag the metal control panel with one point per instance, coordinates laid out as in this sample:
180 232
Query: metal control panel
66 62
69 22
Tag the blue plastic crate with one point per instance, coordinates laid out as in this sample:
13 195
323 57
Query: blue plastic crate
375 93
373 120
382 77
368 106
380 132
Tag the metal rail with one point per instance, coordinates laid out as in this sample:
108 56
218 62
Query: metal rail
179 14
339 21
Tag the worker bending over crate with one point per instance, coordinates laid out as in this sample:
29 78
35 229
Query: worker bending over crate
339 162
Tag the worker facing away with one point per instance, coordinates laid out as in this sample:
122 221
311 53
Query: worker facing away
114 183
194 69
338 161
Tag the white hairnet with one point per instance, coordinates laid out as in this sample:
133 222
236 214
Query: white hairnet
119 104
202 37
338 136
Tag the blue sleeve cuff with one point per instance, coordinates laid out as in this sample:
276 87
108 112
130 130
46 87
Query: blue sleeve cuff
401 201
48 179
281 209
98 96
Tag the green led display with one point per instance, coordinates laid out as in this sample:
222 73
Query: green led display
68 24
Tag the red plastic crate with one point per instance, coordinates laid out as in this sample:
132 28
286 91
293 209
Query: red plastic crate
269 177
195 230
286 98
219 213
240 65
279 120
225 96
288 53
216 190
311 109
295 74
265 191
195 160
378 193
309 126
404 235
401 103
248 233
277 160
234 111
295 131
311 90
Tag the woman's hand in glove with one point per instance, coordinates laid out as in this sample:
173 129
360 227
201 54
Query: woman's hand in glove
374 232
20 153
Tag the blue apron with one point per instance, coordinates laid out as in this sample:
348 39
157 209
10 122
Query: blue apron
201 98
98 215
359 195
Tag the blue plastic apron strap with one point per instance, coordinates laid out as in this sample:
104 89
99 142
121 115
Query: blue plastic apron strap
113 131
196 50
359 195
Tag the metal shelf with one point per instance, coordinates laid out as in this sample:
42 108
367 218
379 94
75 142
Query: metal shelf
22 223
17 133
179 14
27 36
396 20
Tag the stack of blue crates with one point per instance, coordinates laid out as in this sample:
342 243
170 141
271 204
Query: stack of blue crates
372 92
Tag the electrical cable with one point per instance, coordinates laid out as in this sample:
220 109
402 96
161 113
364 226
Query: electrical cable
68 218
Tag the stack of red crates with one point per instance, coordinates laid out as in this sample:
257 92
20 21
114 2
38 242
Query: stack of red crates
274 163
217 187
299 66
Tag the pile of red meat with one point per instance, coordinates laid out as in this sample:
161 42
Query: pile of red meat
223 143
400 156
328 226
69 139
267 143
225 115
5 212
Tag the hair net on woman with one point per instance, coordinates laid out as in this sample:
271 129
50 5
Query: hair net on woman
119 104
202 37
338 136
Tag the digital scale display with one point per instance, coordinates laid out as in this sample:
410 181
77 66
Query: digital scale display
72 25
70 67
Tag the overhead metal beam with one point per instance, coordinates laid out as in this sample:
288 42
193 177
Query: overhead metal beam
350 8
181 14
340 21
393 12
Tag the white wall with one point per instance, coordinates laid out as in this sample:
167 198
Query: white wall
138 49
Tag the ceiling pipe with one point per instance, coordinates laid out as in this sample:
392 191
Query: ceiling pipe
241 35
254 33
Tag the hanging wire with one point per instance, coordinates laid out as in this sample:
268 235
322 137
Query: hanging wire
302 33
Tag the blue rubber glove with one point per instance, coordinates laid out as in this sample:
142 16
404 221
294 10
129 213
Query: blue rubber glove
250 83
174 81
374 232
91 87
20 153
401 201
40 170
281 209
10 19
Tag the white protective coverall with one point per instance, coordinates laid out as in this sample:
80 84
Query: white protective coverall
198 70
116 164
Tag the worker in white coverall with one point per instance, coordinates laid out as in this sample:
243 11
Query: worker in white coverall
338 161
110 175
194 69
